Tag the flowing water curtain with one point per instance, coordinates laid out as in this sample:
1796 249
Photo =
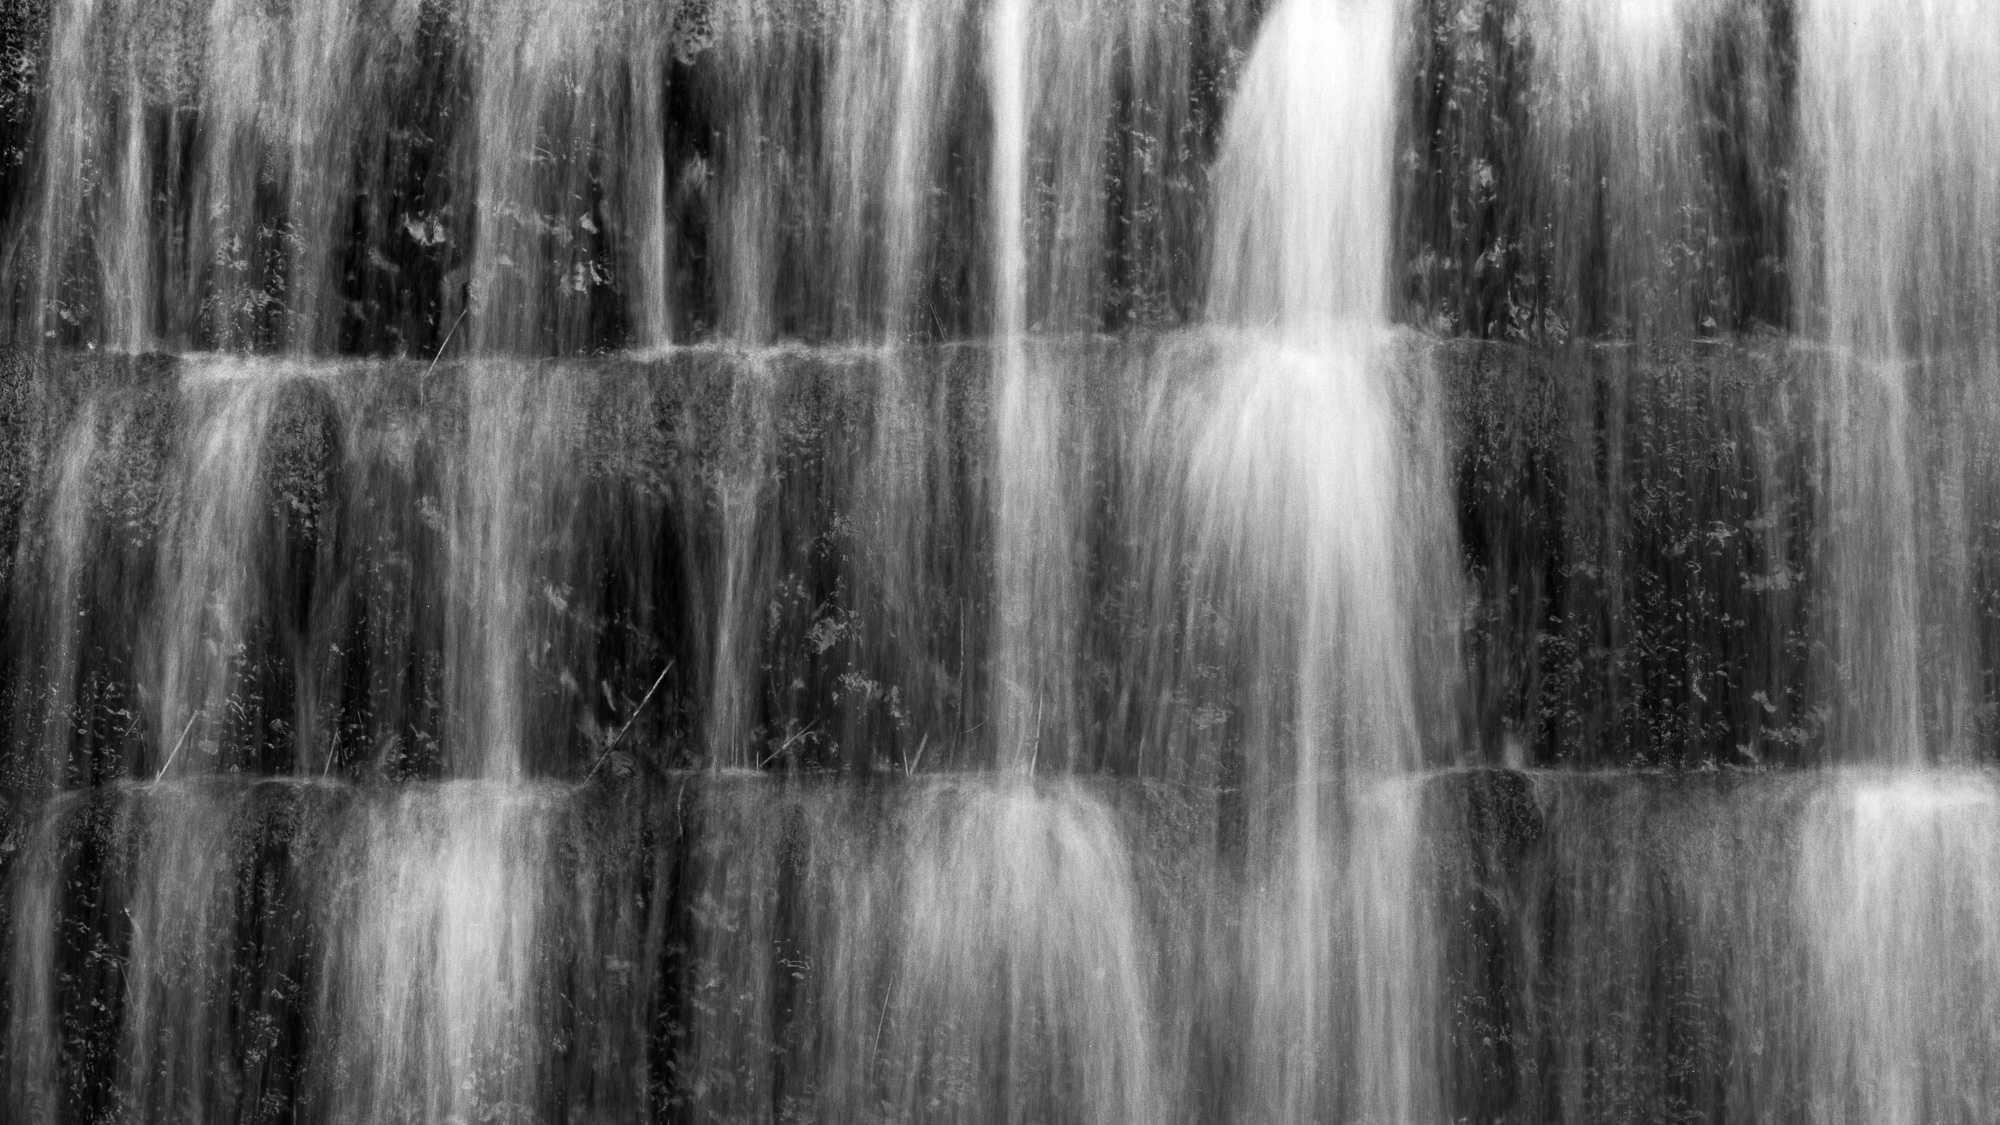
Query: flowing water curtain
1618 134
898 62
514 575
1052 79
212 569
1024 973
1300 524
76 261
52 277
1038 561
1578 169
727 512
849 192
647 245
1896 899
971 948
195 170
1608 982
377 607
229 175
1297 465
566 145
49 612
1899 251
432 990
889 230
176 1044
564 149
33 996
316 177
190 992
911 618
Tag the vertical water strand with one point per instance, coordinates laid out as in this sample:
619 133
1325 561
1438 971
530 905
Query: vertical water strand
1900 226
1302 501
888 101
1033 645
1395 933
1054 79
210 574
1077 61
736 844
126 238
545 78
758 51
1862 154
176 1044
537 106
1896 899
50 611
857 98
235 256
908 76
513 528
1157 162
645 272
35 919
1005 75
738 483
323 67
519 51
926 57
490 579
273 170
1006 61
396 541
853 909
67 133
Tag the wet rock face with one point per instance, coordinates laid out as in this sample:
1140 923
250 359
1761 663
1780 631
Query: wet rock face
1615 509
1560 173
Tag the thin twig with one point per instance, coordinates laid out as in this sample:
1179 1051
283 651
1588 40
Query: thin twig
909 765
787 743
449 333
875 1051
1035 755
177 746
620 736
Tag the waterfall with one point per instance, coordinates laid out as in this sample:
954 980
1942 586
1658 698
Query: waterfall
999 561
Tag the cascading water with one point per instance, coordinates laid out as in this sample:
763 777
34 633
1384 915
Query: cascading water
44 712
999 561
1300 517
1900 220
199 644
